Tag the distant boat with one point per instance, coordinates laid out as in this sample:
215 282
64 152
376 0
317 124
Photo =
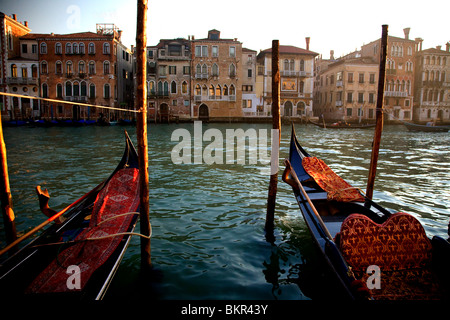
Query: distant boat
427 127
342 125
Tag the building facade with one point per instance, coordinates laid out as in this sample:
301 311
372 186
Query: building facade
399 82
347 90
432 86
296 83
216 77
249 98
87 67
18 74
169 80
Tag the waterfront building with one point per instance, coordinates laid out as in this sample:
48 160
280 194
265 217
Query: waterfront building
169 80
86 67
216 78
18 73
346 89
250 100
296 83
399 81
432 85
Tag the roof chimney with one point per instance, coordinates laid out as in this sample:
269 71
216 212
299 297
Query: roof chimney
26 23
406 31
447 47
331 54
14 16
307 42
438 47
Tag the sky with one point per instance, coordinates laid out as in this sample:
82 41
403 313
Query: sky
343 26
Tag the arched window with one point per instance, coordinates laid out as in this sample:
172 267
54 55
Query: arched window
43 48
58 48
44 67
34 71
184 87
106 67
91 48
198 90
160 88
106 91
225 90
81 48
75 48
68 89
232 70
198 69
218 91
92 90
204 69
302 65
173 87
59 90
44 90
211 91
215 69
83 89
151 88
106 48
58 67
69 68
91 67
68 48
13 71
232 90
76 89
81 67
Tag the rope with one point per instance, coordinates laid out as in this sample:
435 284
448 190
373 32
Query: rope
66 102
102 237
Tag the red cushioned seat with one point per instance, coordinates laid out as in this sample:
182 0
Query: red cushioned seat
399 247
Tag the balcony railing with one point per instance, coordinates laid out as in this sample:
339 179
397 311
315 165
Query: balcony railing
20 80
396 94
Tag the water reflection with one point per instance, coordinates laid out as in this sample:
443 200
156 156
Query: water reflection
208 220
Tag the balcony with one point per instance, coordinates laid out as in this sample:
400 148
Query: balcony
401 94
20 80
201 76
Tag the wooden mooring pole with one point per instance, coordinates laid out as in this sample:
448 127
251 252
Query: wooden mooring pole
379 114
6 199
141 101
276 124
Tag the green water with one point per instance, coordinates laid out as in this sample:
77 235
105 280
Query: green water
208 239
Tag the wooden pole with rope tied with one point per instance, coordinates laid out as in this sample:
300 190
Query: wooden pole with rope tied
276 126
379 114
6 198
141 128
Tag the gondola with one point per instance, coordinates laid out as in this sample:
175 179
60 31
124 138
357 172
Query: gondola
426 128
370 252
78 257
342 125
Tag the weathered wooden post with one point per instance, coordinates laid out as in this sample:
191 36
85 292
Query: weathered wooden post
276 124
141 101
379 114
6 199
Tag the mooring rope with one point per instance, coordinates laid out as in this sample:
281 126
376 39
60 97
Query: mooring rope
67 102
101 237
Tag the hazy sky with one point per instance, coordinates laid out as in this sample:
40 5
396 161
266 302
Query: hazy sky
342 26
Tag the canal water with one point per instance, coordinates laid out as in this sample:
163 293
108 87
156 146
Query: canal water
208 238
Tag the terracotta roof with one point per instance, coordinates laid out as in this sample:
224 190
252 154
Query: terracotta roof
291 50
89 35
